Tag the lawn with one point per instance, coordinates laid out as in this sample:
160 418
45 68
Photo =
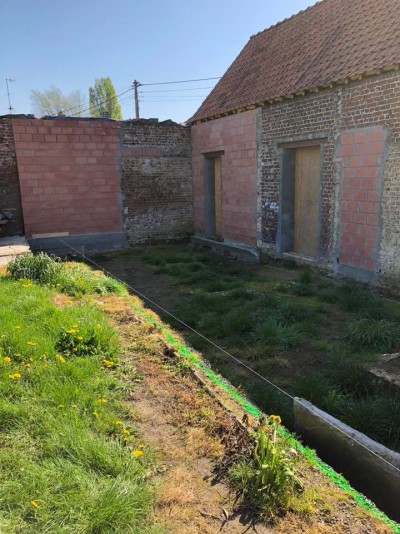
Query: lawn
307 333
70 460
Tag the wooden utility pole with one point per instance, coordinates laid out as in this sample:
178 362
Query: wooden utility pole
135 86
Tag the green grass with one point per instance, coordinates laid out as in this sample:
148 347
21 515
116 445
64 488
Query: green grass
272 324
72 278
65 466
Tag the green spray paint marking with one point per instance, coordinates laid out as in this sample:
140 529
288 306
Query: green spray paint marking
252 410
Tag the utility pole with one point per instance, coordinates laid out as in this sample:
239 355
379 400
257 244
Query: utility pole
8 94
135 86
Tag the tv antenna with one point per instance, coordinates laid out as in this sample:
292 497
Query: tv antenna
8 94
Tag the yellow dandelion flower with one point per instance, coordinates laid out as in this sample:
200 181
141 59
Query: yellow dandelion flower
108 363
60 358
31 343
141 446
98 325
275 419
34 503
79 338
101 401
31 359
27 365
137 453
6 359
74 326
96 414
14 376
70 331
118 422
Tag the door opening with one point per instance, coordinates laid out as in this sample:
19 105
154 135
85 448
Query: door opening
299 217
213 197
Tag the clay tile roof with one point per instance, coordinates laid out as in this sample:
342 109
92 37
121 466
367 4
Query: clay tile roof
327 42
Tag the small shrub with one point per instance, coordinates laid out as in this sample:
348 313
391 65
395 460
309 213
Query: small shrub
266 480
374 334
40 268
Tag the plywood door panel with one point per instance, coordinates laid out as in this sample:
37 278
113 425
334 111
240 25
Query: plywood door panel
218 197
306 197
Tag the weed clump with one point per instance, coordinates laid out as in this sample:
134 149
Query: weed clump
41 268
71 278
266 480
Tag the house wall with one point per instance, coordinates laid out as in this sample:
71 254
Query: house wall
69 175
360 173
10 200
236 137
156 181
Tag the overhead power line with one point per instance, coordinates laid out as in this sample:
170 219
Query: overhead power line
175 90
120 91
102 102
182 81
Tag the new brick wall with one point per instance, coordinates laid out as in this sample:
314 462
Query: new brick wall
352 108
69 175
10 200
236 136
361 153
156 181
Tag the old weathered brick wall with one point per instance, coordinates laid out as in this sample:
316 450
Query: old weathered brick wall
344 109
236 137
69 175
10 200
156 181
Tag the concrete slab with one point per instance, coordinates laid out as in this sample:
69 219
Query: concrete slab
11 247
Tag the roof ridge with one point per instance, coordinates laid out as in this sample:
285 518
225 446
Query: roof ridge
288 18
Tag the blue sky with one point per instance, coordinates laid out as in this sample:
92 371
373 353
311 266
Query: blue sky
70 43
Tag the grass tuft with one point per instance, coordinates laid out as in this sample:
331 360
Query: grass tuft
374 334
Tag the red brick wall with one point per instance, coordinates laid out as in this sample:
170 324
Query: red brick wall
362 154
69 175
235 135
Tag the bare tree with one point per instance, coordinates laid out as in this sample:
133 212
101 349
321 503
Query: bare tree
52 101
